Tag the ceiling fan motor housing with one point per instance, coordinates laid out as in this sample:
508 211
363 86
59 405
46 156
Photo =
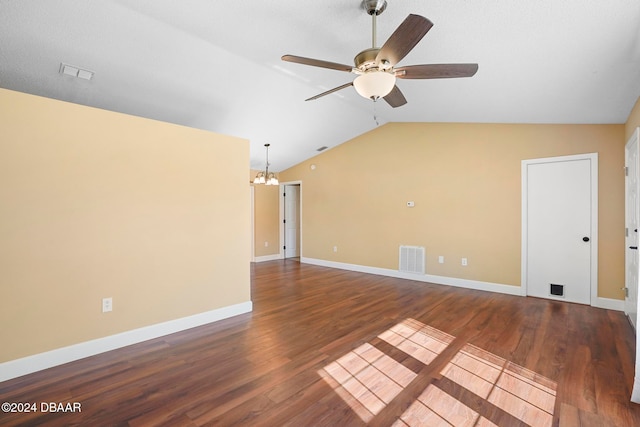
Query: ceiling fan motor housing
366 59
374 7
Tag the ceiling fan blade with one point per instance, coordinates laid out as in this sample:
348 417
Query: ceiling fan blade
404 38
317 63
335 89
395 98
436 71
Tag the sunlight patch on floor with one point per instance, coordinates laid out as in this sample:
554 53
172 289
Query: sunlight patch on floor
520 392
368 380
418 340
434 407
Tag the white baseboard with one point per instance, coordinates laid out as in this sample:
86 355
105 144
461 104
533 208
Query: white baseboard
635 393
264 258
607 303
430 278
37 362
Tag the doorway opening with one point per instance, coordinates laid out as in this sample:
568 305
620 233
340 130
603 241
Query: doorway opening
291 220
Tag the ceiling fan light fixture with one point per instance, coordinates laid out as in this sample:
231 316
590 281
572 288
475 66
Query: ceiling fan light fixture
374 84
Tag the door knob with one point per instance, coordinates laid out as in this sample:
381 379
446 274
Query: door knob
585 239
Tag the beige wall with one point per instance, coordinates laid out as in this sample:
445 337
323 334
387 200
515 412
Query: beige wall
266 216
633 121
465 180
97 204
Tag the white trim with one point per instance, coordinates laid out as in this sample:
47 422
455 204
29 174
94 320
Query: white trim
281 215
37 362
608 303
593 158
252 193
635 393
629 222
430 278
264 258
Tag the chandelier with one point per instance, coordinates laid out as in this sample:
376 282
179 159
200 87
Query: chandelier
266 177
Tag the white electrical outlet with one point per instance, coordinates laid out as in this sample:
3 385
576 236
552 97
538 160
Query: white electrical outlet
266 244
107 304
464 261
441 259
335 249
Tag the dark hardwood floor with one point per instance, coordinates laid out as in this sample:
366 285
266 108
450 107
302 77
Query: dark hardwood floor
327 347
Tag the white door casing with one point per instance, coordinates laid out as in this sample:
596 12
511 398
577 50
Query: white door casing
291 221
559 228
298 229
252 202
632 212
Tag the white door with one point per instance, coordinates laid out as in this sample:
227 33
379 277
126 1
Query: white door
559 233
291 221
631 223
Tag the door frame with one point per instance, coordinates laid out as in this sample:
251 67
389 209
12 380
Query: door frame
252 198
281 216
635 138
635 391
593 158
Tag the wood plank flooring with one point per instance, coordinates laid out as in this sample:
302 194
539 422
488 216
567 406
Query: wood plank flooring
327 347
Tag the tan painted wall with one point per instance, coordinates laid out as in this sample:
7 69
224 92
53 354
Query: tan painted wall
97 204
633 121
465 180
266 219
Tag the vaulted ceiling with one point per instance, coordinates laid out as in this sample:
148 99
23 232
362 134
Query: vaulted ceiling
216 65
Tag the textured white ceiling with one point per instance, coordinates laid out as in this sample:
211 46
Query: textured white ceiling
216 65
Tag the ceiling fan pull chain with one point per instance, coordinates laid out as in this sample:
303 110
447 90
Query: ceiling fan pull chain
375 117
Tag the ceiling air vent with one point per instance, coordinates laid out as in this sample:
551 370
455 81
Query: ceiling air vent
73 71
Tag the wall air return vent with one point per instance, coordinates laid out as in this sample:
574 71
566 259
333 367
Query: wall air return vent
412 259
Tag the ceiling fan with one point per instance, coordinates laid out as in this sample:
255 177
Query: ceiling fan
376 67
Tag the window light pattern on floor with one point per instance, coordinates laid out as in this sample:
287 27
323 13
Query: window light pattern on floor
516 390
367 379
435 408
418 340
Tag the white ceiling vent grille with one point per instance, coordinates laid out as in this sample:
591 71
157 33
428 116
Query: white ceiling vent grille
73 71
412 259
